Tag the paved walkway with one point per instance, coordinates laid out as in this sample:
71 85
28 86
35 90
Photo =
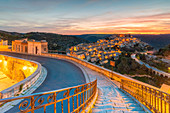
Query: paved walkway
5 81
111 99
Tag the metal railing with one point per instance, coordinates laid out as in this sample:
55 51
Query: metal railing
155 103
150 96
73 99
155 100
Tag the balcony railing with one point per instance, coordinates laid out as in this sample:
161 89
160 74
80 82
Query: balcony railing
73 99
154 100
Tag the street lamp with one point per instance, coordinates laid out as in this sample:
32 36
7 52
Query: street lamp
25 67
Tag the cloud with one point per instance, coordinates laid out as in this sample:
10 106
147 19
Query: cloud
106 22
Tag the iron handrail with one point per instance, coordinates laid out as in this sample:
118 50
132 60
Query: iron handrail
119 77
76 99
154 100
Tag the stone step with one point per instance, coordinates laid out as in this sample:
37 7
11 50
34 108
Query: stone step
111 99
114 111
117 104
118 107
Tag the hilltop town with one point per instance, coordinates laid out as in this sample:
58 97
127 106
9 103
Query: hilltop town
108 48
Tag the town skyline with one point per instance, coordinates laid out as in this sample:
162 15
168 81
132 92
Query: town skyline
73 17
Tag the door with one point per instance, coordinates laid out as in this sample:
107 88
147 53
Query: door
36 50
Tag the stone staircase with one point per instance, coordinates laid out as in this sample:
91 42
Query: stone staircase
110 98
115 101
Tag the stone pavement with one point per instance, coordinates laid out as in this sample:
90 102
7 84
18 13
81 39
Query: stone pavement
5 81
111 99
40 80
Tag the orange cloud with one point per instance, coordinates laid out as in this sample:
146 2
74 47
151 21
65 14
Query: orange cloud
154 24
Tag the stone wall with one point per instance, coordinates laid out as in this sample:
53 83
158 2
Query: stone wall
25 72
16 69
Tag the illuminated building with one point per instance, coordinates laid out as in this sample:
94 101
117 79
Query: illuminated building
30 46
4 45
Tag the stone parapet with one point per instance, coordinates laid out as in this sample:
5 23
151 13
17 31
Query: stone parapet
25 72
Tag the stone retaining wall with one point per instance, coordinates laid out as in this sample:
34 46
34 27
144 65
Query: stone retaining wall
25 72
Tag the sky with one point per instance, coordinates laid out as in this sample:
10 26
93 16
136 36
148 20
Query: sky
75 17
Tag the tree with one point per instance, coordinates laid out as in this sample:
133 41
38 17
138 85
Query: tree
134 65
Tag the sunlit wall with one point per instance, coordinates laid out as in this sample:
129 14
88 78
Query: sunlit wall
16 69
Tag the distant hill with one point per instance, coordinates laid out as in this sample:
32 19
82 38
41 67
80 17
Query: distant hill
61 42
165 51
157 41
55 41
93 37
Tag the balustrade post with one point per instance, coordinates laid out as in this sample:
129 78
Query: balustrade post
68 101
77 100
142 93
155 98
62 110
55 103
150 96
161 102
83 96
169 103
32 104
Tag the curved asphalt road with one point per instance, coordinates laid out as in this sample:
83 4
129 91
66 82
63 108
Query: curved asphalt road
61 74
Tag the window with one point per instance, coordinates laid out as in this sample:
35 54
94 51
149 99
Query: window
21 48
45 49
16 48
26 49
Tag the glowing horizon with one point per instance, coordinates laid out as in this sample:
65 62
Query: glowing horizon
75 17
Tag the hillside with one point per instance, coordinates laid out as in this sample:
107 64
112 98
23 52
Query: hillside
55 41
156 41
93 37
165 51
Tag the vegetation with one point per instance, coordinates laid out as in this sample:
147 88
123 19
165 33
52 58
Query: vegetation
20 88
93 37
138 48
126 65
55 41
156 41
164 51
155 62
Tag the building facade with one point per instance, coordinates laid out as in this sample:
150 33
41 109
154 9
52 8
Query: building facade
3 42
4 45
30 46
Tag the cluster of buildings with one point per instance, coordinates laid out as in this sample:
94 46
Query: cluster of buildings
25 46
104 50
